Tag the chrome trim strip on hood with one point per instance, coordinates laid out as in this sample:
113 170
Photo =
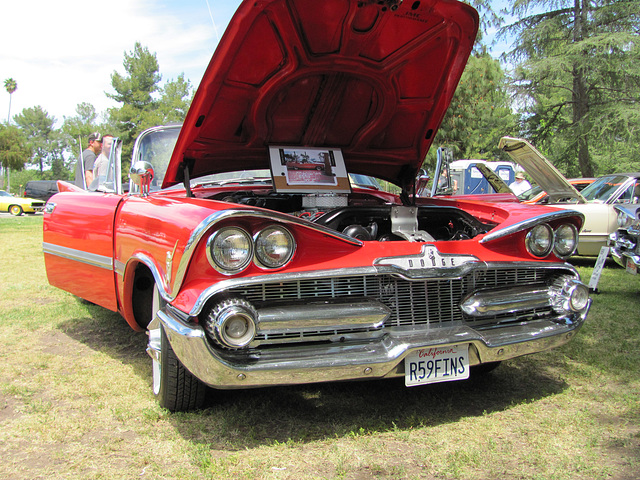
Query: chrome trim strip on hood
528 223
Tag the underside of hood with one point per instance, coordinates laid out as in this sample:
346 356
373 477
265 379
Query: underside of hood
370 77
540 170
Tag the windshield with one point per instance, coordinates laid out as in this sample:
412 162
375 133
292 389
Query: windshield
263 176
529 194
603 188
156 145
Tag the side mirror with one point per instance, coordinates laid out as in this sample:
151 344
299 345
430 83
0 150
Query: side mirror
141 173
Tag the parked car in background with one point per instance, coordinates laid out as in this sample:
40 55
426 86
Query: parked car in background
596 201
246 276
537 195
41 189
625 242
19 205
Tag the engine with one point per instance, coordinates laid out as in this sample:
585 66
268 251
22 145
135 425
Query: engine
369 218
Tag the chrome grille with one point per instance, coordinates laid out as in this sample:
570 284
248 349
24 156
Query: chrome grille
412 302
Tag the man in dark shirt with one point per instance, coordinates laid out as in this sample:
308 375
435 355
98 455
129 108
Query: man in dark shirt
84 166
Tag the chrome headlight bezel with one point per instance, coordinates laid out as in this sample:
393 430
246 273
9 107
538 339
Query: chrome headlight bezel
274 247
569 296
216 250
535 240
566 246
625 220
232 323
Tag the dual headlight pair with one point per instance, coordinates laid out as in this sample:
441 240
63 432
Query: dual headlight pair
542 239
231 249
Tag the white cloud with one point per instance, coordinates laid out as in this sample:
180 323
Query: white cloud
63 53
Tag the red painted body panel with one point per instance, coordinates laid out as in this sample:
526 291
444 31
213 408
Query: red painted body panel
83 222
154 226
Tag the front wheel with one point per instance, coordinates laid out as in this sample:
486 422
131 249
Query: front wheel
15 210
175 388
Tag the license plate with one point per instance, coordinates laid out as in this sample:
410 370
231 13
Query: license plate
631 267
437 364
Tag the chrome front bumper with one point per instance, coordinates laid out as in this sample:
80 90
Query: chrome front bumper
625 250
379 358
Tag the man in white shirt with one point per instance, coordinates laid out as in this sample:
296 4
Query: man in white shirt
520 185
100 165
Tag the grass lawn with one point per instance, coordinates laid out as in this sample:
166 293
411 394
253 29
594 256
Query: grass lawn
76 402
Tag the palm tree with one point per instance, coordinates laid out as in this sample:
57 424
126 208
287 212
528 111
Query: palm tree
11 85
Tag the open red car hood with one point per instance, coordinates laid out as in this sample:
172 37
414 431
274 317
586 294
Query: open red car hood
371 77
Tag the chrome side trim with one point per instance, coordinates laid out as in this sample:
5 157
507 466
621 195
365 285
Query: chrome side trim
81 256
530 222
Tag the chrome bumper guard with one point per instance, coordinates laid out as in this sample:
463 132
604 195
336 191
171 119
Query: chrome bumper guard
378 358
620 257
625 247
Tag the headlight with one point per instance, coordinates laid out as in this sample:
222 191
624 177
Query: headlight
569 295
579 297
274 247
565 240
232 323
624 220
539 240
229 250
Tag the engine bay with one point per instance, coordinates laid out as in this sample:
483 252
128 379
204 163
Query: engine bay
368 217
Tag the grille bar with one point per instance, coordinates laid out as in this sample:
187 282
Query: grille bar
412 302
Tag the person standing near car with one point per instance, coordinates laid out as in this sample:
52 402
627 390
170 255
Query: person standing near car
520 185
85 164
102 161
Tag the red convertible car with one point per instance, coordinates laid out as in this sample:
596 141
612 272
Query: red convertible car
244 278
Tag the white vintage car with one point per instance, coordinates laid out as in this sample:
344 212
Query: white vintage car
596 201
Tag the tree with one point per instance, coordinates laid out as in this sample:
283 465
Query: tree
14 148
144 102
45 142
75 131
11 86
479 114
135 92
175 100
578 78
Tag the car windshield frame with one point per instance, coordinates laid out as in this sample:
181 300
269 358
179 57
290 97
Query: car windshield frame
604 188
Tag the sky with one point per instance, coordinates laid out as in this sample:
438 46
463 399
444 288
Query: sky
63 53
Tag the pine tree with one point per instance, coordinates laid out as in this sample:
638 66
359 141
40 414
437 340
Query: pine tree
578 79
